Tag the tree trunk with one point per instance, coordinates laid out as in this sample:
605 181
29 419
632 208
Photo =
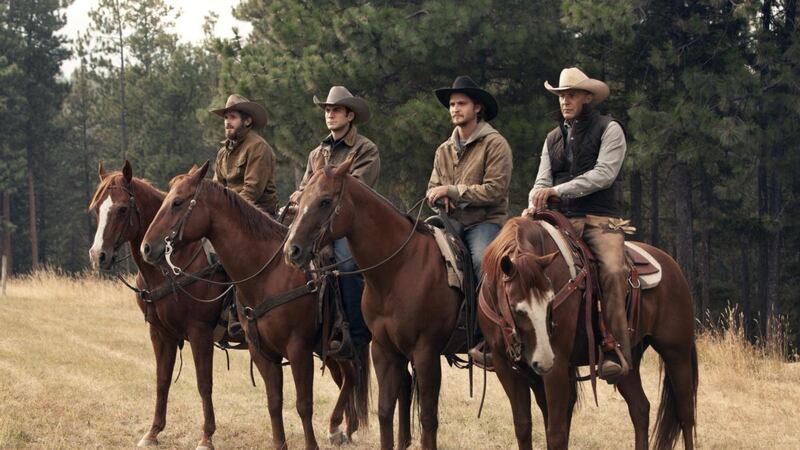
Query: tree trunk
123 126
704 247
744 288
684 242
7 249
34 235
636 203
654 212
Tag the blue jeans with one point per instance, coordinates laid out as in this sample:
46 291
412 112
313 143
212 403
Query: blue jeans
477 239
352 287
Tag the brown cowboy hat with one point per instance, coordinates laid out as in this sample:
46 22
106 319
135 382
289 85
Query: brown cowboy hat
573 78
238 103
340 96
465 85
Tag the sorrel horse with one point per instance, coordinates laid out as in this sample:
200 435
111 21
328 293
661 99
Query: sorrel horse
125 206
407 303
244 238
523 269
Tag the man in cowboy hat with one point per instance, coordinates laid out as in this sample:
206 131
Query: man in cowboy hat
581 164
343 111
246 162
472 169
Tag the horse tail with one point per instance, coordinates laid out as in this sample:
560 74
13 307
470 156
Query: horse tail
358 402
668 425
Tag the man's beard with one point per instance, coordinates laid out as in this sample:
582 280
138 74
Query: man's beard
235 134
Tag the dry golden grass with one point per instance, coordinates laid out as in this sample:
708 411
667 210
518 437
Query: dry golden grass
77 371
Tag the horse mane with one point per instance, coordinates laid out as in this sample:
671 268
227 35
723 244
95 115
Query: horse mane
530 273
107 183
255 221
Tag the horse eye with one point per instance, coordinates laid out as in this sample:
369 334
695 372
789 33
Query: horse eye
122 210
324 203
177 203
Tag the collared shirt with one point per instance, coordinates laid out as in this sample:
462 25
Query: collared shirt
609 162
366 166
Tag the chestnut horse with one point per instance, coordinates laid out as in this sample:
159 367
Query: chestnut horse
247 239
407 303
125 206
523 269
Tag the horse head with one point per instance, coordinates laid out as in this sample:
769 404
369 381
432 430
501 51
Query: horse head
117 215
324 214
523 289
181 218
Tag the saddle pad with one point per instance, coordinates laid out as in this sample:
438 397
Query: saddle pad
455 276
563 246
649 278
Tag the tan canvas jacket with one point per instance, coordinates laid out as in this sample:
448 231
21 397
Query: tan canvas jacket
478 177
249 170
366 167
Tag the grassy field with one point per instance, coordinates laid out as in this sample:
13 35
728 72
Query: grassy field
77 371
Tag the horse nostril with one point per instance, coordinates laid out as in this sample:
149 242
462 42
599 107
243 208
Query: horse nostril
146 249
102 257
295 251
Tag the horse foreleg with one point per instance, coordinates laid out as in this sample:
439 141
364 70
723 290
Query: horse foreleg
302 364
630 387
165 350
335 435
429 380
557 389
388 368
541 401
404 408
519 396
203 352
272 373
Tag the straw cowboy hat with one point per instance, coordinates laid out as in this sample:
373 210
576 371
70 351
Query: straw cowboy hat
238 103
465 85
340 96
573 78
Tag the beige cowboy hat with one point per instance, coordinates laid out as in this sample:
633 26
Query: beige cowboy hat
238 103
340 96
573 78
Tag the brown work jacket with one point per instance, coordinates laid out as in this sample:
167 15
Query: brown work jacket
366 167
478 176
249 170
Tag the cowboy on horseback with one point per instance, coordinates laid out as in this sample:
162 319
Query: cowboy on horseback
581 164
246 162
472 170
343 111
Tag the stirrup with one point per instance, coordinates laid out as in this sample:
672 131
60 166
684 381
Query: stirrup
482 356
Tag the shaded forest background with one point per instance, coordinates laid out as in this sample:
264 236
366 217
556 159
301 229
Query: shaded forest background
707 90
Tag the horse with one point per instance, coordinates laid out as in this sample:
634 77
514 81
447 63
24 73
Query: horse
523 268
244 238
407 302
125 206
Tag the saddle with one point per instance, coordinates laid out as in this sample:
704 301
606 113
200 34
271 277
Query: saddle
460 276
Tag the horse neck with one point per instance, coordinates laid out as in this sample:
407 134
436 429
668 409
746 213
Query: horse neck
242 252
377 233
148 200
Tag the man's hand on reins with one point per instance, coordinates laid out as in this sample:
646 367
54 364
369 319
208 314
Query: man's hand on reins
539 198
437 198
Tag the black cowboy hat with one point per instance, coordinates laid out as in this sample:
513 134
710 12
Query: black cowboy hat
465 85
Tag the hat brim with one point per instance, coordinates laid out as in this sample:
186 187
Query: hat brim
254 110
477 94
597 88
356 104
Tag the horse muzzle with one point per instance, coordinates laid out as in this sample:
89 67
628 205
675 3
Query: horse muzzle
296 255
152 253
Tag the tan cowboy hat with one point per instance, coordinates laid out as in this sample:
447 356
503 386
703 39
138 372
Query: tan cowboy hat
238 103
340 96
573 78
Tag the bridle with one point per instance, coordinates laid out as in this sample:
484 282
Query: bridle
129 218
176 233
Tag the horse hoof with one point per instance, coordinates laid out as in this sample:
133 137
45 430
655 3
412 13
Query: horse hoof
206 446
147 441
338 438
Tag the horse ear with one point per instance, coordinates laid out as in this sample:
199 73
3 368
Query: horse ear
193 169
546 260
127 171
344 168
523 241
101 171
198 174
507 266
